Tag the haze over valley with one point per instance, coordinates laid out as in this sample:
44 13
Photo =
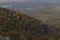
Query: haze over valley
29 19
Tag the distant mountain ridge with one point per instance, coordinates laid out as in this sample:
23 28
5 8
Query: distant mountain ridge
30 4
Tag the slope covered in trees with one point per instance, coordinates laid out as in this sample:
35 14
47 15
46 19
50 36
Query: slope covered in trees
19 26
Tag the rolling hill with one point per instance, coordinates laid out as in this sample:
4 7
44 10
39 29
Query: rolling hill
19 26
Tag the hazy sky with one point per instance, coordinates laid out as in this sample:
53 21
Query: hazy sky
31 0
11 0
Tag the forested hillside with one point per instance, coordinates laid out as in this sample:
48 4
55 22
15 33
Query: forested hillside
19 26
